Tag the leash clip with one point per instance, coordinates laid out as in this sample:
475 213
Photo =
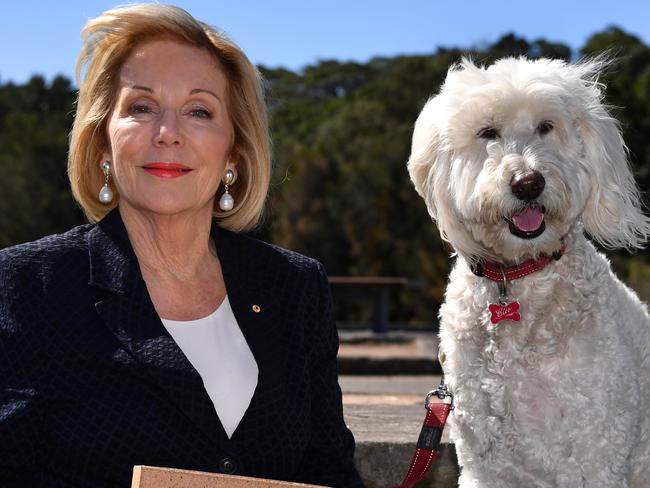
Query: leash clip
442 392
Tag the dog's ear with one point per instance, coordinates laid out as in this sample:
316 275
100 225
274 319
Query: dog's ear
428 153
613 214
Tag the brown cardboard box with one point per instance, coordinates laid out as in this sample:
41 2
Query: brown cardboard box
152 477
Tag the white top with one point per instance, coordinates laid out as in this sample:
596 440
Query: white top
218 350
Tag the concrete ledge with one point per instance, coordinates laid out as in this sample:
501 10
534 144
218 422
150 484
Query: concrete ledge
394 353
386 435
388 366
384 464
384 378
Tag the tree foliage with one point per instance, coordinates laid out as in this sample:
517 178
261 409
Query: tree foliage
341 133
35 119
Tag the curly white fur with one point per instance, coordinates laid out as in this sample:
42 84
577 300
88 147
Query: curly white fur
561 398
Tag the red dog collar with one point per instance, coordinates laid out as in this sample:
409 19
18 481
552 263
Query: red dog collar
496 272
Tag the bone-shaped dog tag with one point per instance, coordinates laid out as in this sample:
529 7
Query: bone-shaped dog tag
504 310
499 312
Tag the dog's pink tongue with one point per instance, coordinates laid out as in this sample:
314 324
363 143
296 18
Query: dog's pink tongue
528 220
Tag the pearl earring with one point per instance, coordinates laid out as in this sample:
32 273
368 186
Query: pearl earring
227 202
106 194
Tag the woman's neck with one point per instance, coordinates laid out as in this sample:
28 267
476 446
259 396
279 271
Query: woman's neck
177 245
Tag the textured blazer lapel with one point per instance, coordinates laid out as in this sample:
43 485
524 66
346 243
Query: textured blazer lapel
256 303
128 312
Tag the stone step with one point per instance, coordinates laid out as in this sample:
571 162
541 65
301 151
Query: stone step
394 353
385 414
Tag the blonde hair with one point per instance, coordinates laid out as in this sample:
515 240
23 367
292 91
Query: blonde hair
107 41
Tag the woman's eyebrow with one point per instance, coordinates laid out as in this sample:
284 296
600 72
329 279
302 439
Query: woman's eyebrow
140 87
203 90
192 92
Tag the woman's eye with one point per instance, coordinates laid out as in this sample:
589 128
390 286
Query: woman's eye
200 113
489 133
140 108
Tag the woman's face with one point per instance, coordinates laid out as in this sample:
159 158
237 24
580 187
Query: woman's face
169 132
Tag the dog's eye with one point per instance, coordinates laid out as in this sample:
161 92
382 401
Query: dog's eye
488 133
544 127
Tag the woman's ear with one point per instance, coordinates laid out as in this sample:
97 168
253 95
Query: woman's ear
232 167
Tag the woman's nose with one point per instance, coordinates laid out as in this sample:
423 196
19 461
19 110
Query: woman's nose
169 131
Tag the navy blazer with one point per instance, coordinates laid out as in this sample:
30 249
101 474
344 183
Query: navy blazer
93 384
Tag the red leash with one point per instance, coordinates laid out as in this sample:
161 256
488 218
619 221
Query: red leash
430 435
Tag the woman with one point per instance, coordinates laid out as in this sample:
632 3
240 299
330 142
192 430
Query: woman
159 335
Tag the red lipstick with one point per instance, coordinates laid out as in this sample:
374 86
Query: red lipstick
167 170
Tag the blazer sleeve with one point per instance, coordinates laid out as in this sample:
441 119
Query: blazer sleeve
329 459
20 411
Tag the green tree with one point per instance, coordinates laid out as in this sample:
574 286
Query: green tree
34 124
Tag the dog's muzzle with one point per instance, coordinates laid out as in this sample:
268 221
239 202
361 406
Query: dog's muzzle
529 222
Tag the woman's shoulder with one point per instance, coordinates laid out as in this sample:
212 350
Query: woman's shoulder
267 255
45 254
287 256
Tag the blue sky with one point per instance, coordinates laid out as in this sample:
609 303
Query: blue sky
43 36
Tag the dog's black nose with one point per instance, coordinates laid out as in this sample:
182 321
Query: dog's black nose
527 186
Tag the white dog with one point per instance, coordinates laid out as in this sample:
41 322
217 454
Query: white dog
546 351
